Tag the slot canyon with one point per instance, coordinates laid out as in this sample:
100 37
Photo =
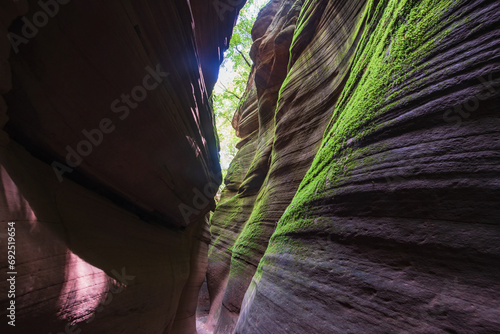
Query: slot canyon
364 197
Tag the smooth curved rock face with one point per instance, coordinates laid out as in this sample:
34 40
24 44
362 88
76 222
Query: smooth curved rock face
100 270
122 95
382 184
114 240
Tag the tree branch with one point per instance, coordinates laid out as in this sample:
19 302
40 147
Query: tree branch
245 58
227 90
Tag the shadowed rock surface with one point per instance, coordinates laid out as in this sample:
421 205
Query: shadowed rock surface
109 161
370 204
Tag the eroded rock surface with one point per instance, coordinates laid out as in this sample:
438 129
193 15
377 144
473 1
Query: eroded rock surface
370 202
108 160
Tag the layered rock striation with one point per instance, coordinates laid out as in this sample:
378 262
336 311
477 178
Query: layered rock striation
364 197
108 161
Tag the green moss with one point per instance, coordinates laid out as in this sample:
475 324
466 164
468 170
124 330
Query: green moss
226 216
306 11
253 233
397 38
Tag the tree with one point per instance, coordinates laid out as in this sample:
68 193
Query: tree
233 76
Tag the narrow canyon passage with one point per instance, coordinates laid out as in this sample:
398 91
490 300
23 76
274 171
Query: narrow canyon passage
364 196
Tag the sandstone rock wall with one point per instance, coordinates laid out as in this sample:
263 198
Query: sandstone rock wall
114 238
370 204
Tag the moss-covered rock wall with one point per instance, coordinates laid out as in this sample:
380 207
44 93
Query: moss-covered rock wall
367 200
